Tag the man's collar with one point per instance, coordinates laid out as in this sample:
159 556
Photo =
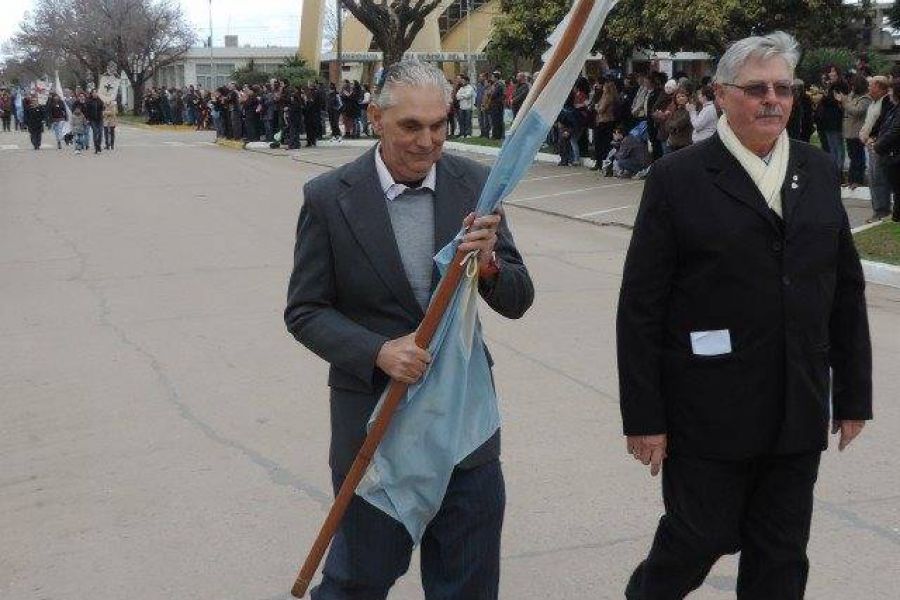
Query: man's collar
391 188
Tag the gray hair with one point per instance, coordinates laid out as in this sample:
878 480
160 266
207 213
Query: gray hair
410 73
762 47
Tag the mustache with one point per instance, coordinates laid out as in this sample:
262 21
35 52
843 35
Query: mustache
770 111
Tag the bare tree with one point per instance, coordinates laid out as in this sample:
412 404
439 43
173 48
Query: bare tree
57 30
394 25
137 36
145 36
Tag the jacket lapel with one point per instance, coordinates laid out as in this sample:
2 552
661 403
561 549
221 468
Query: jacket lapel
736 182
794 188
363 205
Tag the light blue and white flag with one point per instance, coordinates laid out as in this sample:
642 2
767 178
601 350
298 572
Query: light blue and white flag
453 409
66 126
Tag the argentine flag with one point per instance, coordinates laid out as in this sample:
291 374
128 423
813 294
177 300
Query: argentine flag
453 409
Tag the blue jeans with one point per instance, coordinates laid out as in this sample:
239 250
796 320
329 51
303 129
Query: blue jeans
836 148
465 122
879 186
460 551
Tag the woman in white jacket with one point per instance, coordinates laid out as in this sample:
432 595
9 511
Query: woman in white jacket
466 97
705 120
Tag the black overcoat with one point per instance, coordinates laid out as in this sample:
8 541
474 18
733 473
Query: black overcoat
708 254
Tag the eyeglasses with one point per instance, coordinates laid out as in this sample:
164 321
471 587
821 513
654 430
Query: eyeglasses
760 89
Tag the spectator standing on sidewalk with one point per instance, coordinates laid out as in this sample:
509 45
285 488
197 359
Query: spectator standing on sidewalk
855 107
679 126
879 108
830 117
801 125
703 114
465 95
497 97
887 146
334 111
519 93
481 89
604 121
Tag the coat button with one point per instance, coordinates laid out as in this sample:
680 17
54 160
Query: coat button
786 280
777 246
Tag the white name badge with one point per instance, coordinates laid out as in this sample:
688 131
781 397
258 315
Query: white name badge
711 343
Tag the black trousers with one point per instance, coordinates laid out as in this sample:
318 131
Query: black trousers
97 131
602 139
460 550
857 153
36 134
760 507
892 171
497 124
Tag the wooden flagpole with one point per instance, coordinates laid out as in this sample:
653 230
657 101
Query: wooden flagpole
424 334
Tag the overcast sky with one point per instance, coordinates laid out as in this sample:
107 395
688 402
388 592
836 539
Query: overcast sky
257 22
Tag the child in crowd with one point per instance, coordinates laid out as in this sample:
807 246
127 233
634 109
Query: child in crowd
628 156
78 129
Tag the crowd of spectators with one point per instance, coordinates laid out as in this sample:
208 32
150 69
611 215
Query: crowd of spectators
274 112
624 123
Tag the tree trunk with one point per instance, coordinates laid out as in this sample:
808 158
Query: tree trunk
393 52
137 89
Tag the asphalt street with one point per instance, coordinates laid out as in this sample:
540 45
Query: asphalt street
163 437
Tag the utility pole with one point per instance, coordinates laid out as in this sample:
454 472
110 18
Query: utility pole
212 65
471 63
340 59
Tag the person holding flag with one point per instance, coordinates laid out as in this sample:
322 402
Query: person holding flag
428 460
362 279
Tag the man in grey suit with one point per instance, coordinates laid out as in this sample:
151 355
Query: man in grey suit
363 276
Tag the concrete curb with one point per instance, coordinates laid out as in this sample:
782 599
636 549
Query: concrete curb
541 157
158 128
233 144
881 273
877 272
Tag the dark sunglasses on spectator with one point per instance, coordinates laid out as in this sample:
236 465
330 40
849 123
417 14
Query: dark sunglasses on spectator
760 89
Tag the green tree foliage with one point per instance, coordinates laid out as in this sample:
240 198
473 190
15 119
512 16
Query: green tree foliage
520 32
296 72
893 15
293 70
815 60
674 25
250 75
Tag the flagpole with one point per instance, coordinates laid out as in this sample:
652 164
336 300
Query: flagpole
424 334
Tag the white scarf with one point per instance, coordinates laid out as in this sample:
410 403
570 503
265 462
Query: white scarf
768 177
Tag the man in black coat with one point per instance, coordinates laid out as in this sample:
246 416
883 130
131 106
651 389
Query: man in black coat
363 275
93 114
35 116
742 331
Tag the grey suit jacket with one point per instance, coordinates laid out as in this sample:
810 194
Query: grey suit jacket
348 293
